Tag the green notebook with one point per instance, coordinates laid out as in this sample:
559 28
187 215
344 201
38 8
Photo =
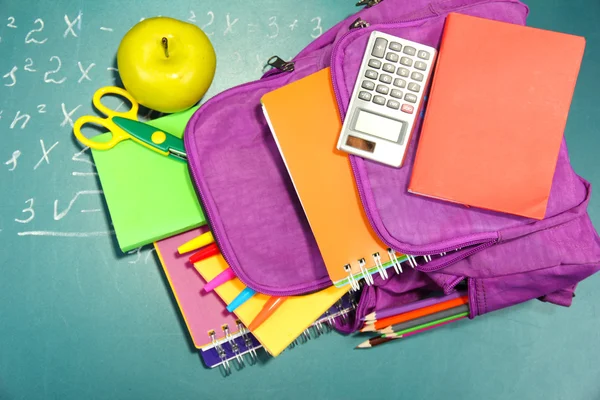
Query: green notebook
149 196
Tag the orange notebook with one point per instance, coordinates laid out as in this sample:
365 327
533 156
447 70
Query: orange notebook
305 122
496 114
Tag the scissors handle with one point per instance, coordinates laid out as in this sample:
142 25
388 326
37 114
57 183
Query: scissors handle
109 112
117 134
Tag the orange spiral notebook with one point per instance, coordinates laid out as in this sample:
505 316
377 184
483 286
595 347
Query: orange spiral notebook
496 114
305 122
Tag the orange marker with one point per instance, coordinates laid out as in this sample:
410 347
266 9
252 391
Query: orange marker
268 309
208 251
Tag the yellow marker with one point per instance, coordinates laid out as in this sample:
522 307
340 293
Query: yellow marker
203 240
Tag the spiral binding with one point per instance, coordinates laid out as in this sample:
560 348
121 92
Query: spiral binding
239 349
366 274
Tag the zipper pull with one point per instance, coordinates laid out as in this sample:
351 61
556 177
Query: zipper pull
368 3
278 63
359 23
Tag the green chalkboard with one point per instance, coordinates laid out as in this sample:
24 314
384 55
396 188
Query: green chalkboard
79 319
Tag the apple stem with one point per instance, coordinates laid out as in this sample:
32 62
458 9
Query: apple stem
165 44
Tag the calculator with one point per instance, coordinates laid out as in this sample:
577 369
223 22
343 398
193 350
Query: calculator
387 98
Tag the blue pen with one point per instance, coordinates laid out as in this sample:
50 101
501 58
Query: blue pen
240 299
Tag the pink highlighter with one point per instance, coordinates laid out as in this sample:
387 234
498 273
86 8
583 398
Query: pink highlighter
220 279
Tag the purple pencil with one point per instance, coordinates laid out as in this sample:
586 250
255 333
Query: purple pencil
388 312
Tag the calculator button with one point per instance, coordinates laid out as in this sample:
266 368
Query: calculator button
379 100
407 108
393 104
423 54
373 63
389 68
395 46
366 96
411 51
396 93
421 65
385 78
371 74
417 76
382 89
414 87
403 72
379 48
393 57
411 98
406 61
368 85
401 83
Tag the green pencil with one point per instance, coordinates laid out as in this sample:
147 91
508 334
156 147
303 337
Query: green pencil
427 325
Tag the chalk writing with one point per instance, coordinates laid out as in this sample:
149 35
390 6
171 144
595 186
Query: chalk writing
28 65
70 25
84 73
211 19
48 73
41 108
274 28
28 210
67 115
317 30
11 22
12 76
29 39
66 234
60 215
78 157
230 24
192 17
13 160
103 28
45 153
293 25
19 117
75 173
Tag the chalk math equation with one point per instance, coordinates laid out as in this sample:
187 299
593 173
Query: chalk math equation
67 74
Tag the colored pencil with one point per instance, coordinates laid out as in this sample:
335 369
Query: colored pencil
439 322
396 319
425 319
388 312
376 341
200 241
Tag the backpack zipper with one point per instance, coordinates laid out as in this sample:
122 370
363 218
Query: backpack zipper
280 64
368 3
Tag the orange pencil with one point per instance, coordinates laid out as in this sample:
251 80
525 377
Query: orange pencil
396 319
268 309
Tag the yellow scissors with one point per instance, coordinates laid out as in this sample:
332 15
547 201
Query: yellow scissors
124 125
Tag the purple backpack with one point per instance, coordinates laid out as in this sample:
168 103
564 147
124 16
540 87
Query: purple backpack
259 225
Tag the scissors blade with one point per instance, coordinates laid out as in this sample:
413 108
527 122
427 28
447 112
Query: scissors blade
154 138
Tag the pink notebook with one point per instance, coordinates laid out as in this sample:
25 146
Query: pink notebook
201 311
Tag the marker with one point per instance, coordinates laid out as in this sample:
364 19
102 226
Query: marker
240 299
203 240
208 251
268 309
220 279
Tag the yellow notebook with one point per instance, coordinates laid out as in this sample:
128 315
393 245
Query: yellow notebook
292 318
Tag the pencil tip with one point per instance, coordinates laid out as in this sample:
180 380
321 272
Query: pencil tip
363 345
368 328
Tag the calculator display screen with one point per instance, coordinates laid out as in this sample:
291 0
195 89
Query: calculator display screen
379 126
